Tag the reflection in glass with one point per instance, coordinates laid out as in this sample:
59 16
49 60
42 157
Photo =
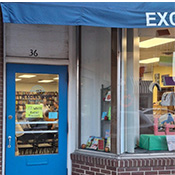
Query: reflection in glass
149 116
96 89
37 117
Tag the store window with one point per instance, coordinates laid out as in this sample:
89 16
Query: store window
95 89
149 113
37 117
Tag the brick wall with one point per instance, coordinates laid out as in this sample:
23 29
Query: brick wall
1 87
93 165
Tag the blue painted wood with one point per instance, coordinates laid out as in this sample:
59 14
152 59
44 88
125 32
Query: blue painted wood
50 164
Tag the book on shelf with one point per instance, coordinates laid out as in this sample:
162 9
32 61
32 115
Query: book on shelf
104 114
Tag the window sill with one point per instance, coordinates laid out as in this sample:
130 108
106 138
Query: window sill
96 153
125 155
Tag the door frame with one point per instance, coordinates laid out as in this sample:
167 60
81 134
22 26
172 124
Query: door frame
61 158
43 62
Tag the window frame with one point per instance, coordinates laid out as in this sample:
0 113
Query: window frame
122 60
115 63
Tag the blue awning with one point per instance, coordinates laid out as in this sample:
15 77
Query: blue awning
102 14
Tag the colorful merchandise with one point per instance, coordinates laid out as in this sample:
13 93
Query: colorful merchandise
108 143
89 142
108 96
101 144
107 133
109 113
166 118
104 114
95 143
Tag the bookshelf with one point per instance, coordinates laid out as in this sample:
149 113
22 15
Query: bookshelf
105 105
23 98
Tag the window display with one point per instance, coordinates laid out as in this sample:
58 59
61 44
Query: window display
150 117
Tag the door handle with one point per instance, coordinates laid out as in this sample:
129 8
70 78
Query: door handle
9 138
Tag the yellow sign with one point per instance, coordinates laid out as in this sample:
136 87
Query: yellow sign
34 111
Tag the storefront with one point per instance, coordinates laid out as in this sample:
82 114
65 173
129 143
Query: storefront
88 88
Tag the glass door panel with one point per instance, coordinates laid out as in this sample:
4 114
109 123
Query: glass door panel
36 116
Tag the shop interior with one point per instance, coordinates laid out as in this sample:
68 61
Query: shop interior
37 117
156 90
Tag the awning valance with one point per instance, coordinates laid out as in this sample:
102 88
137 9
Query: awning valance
102 14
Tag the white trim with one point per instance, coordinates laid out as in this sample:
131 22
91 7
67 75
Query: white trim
23 123
72 98
4 104
123 91
96 153
48 61
78 57
125 156
118 92
36 132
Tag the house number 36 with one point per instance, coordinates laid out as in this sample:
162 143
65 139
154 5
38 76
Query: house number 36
33 53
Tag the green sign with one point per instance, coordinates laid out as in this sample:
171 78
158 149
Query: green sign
34 111
109 113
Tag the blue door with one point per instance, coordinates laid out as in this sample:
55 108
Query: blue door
36 120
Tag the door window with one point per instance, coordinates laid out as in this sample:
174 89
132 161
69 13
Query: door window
37 114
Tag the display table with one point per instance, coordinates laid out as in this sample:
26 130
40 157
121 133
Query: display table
152 142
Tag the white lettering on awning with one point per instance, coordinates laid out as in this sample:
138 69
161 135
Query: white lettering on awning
160 18
149 18
171 18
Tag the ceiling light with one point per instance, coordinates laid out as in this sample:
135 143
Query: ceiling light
17 79
150 60
45 81
57 78
155 42
27 76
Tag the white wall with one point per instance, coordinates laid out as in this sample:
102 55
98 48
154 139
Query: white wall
50 41
95 71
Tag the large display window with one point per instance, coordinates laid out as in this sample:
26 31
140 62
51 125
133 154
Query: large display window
128 106
149 70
